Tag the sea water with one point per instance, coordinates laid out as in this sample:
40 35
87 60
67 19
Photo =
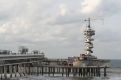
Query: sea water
113 77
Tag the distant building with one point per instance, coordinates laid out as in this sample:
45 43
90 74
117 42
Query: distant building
5 52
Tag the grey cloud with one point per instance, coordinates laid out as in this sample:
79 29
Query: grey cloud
109 8
108 36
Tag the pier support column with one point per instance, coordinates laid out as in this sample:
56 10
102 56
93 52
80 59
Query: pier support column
23 69
5 72
29 69
80 71
15 70
10 68
62 71
37 70
20 70
48 71
94 70
99 71
42 70
1 72
105 73
53 71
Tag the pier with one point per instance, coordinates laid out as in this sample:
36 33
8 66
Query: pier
24 69
35 63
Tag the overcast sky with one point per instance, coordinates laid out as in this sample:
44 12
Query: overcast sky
56 26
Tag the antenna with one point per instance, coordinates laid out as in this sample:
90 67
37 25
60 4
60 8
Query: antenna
88 20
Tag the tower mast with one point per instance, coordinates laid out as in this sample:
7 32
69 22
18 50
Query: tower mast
88 33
